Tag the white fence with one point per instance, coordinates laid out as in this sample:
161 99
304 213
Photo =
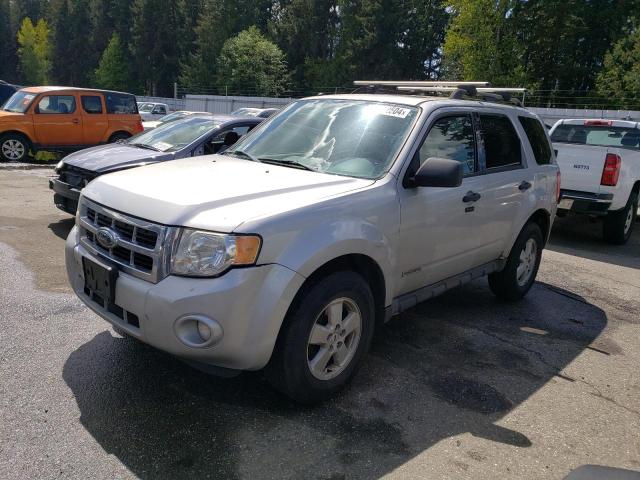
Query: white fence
227 104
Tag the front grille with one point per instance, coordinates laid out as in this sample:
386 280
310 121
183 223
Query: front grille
139 246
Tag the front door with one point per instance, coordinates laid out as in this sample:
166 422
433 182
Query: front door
438 232
57 120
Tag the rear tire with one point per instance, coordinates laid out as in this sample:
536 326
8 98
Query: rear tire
118 136
519 273
14 147
617 227
323 339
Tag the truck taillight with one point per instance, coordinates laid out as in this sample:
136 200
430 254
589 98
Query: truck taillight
558 183
611 170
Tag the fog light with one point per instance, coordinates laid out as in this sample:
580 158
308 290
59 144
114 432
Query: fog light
198 331
204 331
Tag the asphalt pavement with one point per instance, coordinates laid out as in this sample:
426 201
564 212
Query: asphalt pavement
460 387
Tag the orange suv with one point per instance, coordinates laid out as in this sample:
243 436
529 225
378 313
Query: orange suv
64 119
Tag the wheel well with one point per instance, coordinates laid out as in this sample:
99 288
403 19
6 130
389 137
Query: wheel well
542 218
16 132
119 132
361 264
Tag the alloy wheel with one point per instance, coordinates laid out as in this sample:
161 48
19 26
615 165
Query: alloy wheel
527 262
13 149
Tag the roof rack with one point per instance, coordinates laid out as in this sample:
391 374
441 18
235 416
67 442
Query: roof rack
480 90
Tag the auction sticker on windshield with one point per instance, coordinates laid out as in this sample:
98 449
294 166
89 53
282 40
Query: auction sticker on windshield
395 112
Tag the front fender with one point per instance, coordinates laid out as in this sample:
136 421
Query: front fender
315 247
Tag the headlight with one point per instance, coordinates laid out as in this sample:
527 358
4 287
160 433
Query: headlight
59 166
207 254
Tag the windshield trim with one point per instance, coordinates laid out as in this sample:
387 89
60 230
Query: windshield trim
394 159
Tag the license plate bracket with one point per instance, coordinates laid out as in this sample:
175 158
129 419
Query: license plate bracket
101 279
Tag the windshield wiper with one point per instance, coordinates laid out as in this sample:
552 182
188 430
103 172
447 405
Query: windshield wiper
287 163
144 145
241 153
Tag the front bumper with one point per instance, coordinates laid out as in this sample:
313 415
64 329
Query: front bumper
249 304
65 196
585 202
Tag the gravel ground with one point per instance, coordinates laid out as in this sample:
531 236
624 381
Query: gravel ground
461 387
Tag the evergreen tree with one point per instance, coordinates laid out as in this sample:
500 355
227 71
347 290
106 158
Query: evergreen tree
7 44
251 64
155 45
34 51
113 71
61 36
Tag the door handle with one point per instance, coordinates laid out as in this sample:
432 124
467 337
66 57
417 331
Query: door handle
524 186
75 120
471 197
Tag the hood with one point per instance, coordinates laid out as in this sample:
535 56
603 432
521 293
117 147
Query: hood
8 116
214 192
113 156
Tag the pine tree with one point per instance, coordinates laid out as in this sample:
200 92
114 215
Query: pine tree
113 71
619 80
34 51
7 44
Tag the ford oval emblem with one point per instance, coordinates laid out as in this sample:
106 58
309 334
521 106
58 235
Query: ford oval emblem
106 237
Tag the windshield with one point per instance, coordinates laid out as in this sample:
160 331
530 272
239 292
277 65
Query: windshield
19 102
344 137
173 136
603 136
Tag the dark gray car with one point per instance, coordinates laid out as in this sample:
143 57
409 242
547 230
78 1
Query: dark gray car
190 137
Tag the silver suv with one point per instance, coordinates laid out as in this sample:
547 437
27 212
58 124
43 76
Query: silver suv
287 251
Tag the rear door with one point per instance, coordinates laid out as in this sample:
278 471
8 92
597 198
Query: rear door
94 118
57 119
507 183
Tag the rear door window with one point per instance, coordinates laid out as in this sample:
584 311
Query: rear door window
501 142
119 103
91 104
57 104
451 137
538 139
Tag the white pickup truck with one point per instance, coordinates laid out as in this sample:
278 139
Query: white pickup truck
600 165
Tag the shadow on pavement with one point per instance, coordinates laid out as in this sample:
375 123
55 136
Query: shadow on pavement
452 365
579 235
62 228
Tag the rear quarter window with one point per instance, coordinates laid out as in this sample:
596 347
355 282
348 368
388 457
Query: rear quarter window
119 103
538 139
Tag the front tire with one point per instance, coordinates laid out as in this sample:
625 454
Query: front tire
324 337
519 273
14 147
617 227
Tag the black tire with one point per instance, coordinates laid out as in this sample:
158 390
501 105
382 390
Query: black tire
506 284
11 144
289 369
617 227
118 136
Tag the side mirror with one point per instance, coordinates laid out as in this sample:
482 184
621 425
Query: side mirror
437 172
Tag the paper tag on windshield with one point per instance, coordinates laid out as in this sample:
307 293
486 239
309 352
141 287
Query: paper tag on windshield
395 112
162 146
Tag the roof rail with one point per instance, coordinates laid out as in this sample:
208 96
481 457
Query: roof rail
490 94
419 83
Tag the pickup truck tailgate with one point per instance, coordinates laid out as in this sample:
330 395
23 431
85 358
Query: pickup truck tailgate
581 166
